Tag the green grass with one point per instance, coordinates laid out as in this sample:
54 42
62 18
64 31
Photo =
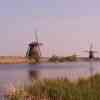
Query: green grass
83 89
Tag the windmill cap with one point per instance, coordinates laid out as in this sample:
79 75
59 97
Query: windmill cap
35 44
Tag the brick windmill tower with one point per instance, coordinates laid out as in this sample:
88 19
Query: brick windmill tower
34 51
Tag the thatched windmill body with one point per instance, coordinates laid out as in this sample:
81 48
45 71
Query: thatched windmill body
34 51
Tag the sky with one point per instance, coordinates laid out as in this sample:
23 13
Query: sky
64 27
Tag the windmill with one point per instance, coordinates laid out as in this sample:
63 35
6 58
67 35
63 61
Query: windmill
34 51
91 52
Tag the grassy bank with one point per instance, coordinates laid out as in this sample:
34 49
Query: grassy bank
83 89
15 60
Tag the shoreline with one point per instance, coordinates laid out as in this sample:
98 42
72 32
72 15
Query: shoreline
24 60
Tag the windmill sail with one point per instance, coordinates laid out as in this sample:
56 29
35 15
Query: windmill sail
36 38
91 52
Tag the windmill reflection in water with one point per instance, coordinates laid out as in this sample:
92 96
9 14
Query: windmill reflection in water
91 59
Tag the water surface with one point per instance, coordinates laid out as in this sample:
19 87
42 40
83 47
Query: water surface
23 73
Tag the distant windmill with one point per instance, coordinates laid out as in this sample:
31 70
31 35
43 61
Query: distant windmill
34 51
91 52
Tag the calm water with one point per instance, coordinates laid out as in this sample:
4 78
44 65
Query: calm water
23 73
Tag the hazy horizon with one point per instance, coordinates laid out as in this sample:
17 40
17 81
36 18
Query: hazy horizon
64 27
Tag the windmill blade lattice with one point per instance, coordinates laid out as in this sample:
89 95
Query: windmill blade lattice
38 44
